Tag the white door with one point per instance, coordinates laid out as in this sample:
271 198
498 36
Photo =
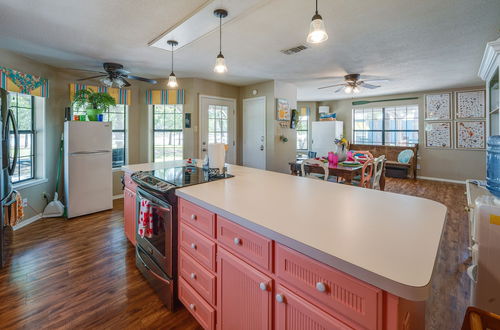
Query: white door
254 132
218 124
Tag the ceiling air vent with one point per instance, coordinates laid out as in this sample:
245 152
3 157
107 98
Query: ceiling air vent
294 50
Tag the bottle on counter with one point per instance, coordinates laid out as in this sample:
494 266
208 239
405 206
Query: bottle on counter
493 165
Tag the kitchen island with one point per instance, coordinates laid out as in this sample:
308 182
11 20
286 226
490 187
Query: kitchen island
325 254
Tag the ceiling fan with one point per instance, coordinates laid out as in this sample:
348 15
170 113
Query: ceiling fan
353 82
115 75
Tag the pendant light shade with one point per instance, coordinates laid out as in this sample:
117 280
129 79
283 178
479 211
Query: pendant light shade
317 31
220 62
172 79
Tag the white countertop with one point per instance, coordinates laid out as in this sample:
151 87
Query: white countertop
388 240
385 239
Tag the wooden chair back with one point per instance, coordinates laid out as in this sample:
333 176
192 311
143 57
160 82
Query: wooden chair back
314 162
366 174
477 319
378 167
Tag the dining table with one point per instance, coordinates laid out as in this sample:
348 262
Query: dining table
348 173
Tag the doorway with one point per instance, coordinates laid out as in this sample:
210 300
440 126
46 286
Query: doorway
254 132
218 124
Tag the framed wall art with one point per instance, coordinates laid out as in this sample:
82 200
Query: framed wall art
282 110
438 134
470 104
470 134
438 106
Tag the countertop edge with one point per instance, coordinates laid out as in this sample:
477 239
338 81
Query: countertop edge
401 290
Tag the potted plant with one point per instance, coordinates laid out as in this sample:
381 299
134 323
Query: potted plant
93 102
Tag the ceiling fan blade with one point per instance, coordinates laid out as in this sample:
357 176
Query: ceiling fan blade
376 80
122 71
330 86
127 84
339 89
83 70
151 81
93 77
369 86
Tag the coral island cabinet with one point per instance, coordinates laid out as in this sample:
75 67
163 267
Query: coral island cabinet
129 207
233 278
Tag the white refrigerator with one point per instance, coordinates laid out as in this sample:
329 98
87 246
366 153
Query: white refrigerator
88 175
323 135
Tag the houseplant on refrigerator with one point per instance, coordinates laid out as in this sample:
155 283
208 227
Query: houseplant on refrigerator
94 103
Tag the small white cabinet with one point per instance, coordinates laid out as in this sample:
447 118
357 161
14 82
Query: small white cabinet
489 72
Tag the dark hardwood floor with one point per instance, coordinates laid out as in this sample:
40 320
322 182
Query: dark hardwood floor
81 273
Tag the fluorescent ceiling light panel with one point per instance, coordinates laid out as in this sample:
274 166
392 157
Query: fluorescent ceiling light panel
202 21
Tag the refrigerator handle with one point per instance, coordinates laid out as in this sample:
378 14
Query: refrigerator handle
12 166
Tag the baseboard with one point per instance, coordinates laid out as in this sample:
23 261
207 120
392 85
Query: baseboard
117 196
27 222
440 179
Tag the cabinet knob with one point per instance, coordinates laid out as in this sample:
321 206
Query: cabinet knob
193 246
193 216
321 287
263 286
237 241
279 298
193 276
192 307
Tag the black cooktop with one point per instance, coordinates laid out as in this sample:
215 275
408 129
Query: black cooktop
176 177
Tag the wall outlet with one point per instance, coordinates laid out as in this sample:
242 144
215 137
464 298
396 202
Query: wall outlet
25 202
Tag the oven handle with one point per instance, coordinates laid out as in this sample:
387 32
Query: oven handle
150 270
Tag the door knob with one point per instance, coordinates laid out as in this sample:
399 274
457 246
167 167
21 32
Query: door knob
261 148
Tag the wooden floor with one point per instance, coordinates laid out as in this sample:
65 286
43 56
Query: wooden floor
81 273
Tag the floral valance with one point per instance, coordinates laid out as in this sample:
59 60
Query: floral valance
121 96
165 96
20 82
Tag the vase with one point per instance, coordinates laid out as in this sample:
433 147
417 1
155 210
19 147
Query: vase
92 114
341 152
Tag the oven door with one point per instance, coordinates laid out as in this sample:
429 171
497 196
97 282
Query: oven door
159 246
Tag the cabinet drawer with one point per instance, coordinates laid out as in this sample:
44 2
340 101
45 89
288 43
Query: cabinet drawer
354 302
197 217
197 276
198 246
245 243
292 312
201 310
129 183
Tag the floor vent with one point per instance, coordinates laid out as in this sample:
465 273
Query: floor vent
294 50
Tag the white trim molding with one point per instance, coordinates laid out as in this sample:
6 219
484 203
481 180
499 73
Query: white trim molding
117 196
490 57
26 222
440 179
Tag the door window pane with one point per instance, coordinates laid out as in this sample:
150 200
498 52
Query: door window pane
217 123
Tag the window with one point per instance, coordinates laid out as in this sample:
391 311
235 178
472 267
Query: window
167 132
23 107
303 129
217 123
394 126
117 115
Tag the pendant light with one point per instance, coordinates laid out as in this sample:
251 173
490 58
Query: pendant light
220 62
172 79
317 32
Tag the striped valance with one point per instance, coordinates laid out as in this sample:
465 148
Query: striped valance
121 96
19 82
165 96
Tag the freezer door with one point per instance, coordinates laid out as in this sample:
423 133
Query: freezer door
89 185
84 136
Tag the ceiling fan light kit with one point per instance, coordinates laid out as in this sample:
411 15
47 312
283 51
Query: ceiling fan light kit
172 79
317 32
220 62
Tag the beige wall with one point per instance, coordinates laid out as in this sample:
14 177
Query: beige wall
449 164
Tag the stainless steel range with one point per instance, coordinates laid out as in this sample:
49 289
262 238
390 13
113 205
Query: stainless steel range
156 256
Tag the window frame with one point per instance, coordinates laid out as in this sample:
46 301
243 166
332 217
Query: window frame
33 132
154 130
384 130
307 130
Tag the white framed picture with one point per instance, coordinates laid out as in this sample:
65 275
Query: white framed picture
470 134
438 134
438 106
470 104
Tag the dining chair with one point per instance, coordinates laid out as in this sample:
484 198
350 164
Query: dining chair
378 167
365 179
314 162
478 319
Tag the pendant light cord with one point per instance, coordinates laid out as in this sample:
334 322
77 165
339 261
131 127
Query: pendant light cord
220 34
172 58
316 7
